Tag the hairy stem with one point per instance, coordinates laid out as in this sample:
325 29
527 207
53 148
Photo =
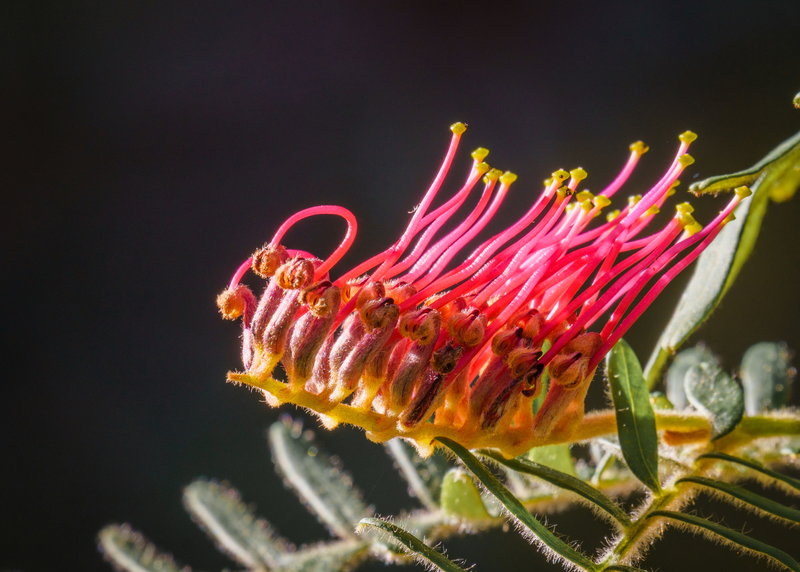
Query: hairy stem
689 428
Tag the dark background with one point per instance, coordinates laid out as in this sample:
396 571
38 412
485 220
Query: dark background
152 145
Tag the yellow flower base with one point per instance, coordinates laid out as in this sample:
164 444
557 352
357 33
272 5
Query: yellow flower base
513 442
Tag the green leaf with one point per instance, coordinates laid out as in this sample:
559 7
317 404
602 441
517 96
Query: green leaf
544 381
636 422
424 476
622 568
562 480
748 497
317 479
237 531
732 536
676 374
714 392
128 550
412 544
326 557
461 497
660 401
556 456
778 176
785 479
550 542
767 374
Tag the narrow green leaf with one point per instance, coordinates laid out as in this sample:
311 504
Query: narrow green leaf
237 531
714 392
424 476
767 374
518 512
128 550
317 479
785 479
412 544
636 422
562 480
733 536
755 500
676 374
778 176
558 457
461 497
622 568
780 170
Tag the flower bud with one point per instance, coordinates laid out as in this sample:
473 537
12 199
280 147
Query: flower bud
570 367
322 298
268 258
421 325
295 273
444 359
467 327
233 302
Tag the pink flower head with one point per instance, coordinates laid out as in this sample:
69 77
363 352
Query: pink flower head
421 341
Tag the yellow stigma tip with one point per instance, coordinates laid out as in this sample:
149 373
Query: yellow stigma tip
482 168
547 182
578 174
601 201
492 175
560 175
569 208
796 101
743 192
684 208
584 195
458 128
508 177
731 217
634 199
639 147
687 137
685 160
686 219
480 154
693 228
563 191
652 210
587 205
612 215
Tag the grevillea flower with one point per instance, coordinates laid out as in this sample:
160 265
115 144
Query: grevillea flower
497 350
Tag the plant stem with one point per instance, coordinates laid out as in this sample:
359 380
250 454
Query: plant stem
690 428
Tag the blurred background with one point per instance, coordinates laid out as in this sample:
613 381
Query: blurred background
151 146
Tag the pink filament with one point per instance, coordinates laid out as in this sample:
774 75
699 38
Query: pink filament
442 244
623 176
473 265
414 226
240 272
334 210
389 256
455 241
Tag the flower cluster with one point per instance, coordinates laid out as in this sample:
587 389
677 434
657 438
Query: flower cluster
497 350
